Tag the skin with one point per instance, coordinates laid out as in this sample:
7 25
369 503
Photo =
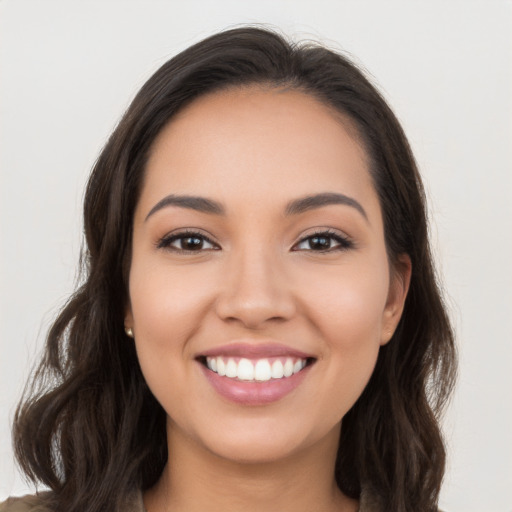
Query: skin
254 150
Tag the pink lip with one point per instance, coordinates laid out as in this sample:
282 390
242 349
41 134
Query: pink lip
254 351
254 393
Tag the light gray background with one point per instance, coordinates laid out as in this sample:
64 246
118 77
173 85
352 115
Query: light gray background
69 69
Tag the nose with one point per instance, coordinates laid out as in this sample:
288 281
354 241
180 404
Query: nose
255 291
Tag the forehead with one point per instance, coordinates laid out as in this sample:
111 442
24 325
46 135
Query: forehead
264 144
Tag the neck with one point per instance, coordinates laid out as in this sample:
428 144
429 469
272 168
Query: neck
196 479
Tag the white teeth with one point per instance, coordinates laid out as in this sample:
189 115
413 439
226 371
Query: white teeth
231 368
221 367
261 370
277 370
245 370
211 362
288 368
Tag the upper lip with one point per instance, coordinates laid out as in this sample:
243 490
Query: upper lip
258 350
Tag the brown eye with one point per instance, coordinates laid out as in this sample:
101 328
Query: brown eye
323 242
320 242
187 242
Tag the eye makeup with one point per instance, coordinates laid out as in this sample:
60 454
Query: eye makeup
192 241
321 237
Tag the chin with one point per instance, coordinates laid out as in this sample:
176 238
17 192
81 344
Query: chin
261 444
255 453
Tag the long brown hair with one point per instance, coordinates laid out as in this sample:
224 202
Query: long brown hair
90 429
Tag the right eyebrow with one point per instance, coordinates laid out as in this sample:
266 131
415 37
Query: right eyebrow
312 202
200 204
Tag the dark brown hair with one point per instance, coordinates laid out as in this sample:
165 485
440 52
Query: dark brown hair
90 429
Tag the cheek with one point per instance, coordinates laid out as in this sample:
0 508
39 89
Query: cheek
166 309
166 304
348 306
347 316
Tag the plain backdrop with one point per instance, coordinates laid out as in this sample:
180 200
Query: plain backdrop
69 68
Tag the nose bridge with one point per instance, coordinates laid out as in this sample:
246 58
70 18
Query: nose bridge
255 288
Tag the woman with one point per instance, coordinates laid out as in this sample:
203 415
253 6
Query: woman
259 325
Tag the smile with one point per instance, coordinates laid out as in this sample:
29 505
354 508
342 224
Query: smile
260 370
255 375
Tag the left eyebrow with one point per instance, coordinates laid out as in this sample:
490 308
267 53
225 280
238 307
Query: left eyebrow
307 203
200 204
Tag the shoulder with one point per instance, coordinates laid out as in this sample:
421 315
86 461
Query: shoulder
39 503
31 503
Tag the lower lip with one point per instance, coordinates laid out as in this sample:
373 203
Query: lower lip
254 393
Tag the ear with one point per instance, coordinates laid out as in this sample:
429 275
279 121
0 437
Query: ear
398 288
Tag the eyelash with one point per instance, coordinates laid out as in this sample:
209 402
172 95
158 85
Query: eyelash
344 242
166 241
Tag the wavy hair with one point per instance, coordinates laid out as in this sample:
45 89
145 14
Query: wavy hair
88 426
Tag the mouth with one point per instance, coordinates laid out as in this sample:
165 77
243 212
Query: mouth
251 375
255 369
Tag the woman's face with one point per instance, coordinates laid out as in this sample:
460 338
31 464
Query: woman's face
258 250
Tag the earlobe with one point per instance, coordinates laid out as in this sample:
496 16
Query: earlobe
398 289
128 322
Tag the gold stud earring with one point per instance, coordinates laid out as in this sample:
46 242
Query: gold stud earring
128 331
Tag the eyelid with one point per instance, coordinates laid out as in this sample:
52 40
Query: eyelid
165 241
344 241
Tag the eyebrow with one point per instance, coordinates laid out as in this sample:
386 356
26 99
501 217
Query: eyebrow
200 204
306 203
295 207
